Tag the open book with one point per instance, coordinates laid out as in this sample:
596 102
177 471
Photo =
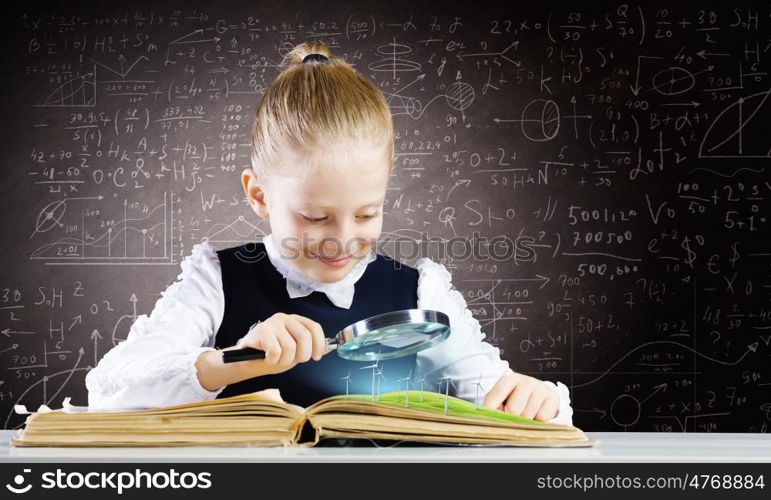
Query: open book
263 419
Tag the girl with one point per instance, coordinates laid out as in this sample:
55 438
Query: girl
321 161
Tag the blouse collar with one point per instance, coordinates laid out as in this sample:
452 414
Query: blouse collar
340 293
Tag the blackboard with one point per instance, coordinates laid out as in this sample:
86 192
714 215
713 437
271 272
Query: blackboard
594 176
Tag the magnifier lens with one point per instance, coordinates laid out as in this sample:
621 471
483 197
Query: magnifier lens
394 341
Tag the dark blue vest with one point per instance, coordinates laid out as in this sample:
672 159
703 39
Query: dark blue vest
255 290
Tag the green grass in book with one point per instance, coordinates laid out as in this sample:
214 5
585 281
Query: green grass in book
435 402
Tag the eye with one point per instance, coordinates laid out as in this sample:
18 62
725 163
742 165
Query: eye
321 219
311 219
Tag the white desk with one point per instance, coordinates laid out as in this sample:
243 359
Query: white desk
611 447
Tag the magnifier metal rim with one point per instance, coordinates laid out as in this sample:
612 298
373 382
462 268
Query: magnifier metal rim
351 332
392 318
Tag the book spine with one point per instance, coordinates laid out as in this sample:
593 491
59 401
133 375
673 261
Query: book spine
306 433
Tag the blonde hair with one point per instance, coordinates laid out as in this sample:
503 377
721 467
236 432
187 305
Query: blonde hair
313 105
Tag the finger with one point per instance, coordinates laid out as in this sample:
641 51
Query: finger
548 410
500 391
534 404
302 338
517 400
266 340
288 345
244 341
317 333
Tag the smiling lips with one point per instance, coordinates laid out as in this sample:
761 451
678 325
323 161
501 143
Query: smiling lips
334 263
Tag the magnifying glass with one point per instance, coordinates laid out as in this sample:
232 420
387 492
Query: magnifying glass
385 336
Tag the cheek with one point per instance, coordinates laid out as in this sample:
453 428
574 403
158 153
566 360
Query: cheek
373 230
297 229
290 234
306 238
367 239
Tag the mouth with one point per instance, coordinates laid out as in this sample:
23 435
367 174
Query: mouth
338 262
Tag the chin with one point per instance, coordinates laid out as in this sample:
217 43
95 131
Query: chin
326 274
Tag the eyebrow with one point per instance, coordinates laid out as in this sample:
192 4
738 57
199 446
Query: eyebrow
377 203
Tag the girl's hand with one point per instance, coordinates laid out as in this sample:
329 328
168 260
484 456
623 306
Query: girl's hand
522 395
287 339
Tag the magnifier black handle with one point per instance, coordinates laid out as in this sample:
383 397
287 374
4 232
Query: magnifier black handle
244 354
247 353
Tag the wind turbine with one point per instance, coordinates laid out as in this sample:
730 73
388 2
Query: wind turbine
447 390
379 377
347 379
407 388
479 386
373 367
422 383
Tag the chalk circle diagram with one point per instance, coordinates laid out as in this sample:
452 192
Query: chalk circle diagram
393 61
673 81
739 131
120 330
625 410
541 120
459 96
766 408
50 217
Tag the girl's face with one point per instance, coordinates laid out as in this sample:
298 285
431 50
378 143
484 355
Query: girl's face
325 223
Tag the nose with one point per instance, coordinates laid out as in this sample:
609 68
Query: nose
339 240
332 247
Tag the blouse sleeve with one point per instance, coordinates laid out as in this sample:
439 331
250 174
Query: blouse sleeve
472 364
155 365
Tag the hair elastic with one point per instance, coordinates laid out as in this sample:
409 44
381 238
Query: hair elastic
315 57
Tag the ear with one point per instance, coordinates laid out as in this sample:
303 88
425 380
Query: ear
255 193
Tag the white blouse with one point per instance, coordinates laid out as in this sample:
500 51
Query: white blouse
155 365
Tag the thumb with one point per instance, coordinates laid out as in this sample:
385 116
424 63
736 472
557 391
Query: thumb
241 342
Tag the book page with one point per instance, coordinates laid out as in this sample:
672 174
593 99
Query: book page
266 395
426 405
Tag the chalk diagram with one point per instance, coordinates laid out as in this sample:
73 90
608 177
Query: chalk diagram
458 95
77 92
146 238
119 333
540 120
626 410
122 60
236 232
393 61
673 81
507 299
44 382
80 90
739 131
766 409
